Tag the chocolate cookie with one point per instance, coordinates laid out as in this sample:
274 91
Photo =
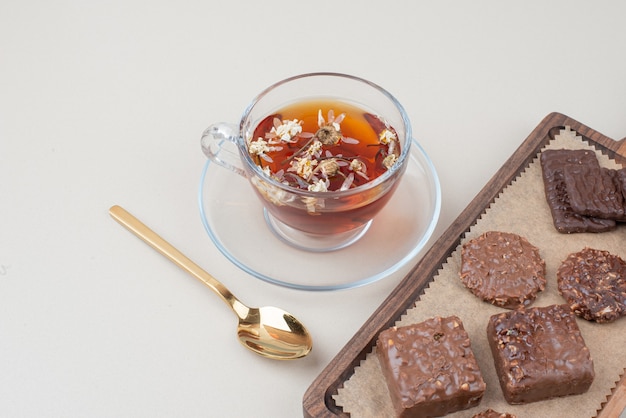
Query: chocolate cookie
565 219
503 269
490 413
593 282
594 191
620 180
539 353
430 368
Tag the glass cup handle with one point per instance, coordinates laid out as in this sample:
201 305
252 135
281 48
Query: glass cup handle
218 144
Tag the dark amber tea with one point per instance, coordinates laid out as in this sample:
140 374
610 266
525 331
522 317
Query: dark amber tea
324 146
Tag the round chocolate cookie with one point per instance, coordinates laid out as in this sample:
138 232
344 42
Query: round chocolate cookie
593 282
503 269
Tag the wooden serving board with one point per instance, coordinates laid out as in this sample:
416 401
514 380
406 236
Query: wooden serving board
318 400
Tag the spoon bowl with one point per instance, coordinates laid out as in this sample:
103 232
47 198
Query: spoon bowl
268 331
280 332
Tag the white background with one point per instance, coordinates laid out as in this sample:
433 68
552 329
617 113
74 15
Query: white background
103 103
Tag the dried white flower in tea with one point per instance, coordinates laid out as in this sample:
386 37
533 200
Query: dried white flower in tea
310 144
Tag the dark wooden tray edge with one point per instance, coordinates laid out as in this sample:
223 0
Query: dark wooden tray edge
317 400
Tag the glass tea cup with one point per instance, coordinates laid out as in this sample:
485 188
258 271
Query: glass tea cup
323 199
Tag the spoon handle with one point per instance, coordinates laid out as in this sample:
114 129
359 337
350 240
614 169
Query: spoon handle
150 237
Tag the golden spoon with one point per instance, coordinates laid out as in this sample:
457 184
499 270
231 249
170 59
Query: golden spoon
268 331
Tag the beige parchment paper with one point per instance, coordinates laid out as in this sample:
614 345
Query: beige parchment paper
521 208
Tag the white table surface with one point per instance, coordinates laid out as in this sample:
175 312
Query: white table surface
103 103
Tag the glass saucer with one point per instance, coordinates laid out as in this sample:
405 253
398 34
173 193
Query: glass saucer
233 217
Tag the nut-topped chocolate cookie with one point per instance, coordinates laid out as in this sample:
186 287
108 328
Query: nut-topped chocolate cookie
490 413
503 269
430 368
539 353
593 282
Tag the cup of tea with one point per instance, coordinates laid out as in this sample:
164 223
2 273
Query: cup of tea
323 152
